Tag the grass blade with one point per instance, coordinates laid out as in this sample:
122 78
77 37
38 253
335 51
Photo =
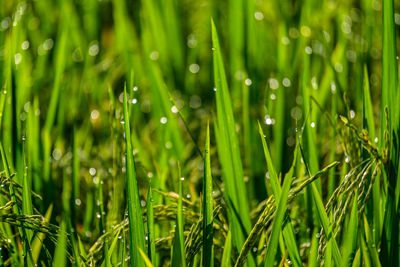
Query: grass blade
136 228
208 255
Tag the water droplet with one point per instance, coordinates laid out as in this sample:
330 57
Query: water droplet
174 109
255 249
195 102
17 58
347 159
168 145
215 89
248 82
23 138
94 115
134 101
98 215
48 44
273 83
57 154
182 178
376 140
194 68
352 114
285 40
92 171
312 124
286 82
163 120
135 88
150 175
95 180
333 87
308 50
78 202
94 49
122 122
258 15
305 31
25 45
272 96
154 55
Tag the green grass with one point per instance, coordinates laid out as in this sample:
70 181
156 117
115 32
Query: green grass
105 107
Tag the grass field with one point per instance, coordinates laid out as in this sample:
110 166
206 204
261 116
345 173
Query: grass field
199 133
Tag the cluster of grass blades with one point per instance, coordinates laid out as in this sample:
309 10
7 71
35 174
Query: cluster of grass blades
199 133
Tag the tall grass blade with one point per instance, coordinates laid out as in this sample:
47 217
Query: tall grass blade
208 254
136 228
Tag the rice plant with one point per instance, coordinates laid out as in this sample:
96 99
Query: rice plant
199 133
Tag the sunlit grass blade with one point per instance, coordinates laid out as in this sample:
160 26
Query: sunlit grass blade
229 153
178 249
351 238
151 245
60 255
208 255
288 230
280 213
145 258
323 217
136 228
226 255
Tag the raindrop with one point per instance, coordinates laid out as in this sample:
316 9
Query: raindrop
134 101
308 50
215 89
376 140
78 202
135 88
312 124
273 96
98 215
182 178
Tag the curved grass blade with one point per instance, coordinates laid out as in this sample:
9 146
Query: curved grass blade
150 228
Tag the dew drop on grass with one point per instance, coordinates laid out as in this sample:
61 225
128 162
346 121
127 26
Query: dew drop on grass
92 171
135 88
163 120
215 89
333 87
308 50
25 45
194 68
94 115
273 83
17 58
258 15
78 202
94 49
376 140
174 109
154 55
286 82
182 178
273 96
150 175
352 114
312 124
248 82
134 101
98 215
